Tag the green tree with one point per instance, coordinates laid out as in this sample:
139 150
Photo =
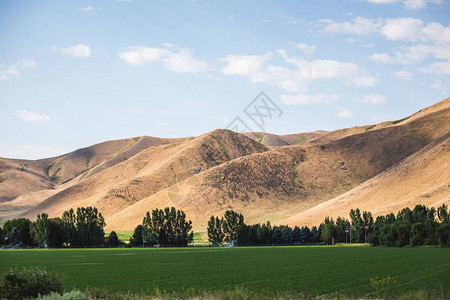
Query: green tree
443 234
215 230
23 225
167 226
113 239
70 230
342 226
85 227
39 230
136 238
232 226
418 234
327 232
357 225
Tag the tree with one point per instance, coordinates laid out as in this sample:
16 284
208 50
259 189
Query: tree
327 231
357 225
113 239
342 226
85 227
443 234
23 225
136 238
56 234
70 230
39 230
167 227
15 237
418 234
2 236
264 233
215 231
443 214
232 226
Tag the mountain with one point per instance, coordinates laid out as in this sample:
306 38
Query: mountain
293 179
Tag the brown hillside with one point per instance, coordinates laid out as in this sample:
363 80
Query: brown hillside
150 171
422 178
19 177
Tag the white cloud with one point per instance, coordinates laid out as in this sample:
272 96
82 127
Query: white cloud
358 26
405 75
172 58
402 29
344 112
306 49
409 4
230 17
31 152
15 69
298 75
373 99
246 65
396 29
31 116
87 9
439 85
302 99
414 30
413 54
442 68
80 50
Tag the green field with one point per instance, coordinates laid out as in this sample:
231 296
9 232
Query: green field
311 270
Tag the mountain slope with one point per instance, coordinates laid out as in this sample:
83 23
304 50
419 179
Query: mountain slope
150 171
421 178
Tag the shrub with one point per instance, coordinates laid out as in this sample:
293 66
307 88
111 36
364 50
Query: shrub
28 282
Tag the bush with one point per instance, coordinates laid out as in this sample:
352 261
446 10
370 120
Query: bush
73 295
26 283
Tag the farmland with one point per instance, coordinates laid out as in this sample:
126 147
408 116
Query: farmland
353 271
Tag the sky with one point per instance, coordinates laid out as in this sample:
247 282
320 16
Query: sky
77 73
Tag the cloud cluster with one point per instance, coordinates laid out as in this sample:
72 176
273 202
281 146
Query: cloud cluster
80 50
6 72
431 40
397 29
409 4
31 116
171 57
296 74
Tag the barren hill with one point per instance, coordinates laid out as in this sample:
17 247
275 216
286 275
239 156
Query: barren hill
150 171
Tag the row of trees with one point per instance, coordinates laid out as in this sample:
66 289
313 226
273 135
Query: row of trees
170 227
419 226
232 229
81 228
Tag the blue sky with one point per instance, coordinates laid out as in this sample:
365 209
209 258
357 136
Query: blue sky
75 73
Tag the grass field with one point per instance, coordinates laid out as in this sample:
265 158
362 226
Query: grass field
354 271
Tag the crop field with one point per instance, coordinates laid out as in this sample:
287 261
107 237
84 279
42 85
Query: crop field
352 271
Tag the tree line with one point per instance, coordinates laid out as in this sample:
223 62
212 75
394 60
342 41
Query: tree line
420 226
231 229
170 227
